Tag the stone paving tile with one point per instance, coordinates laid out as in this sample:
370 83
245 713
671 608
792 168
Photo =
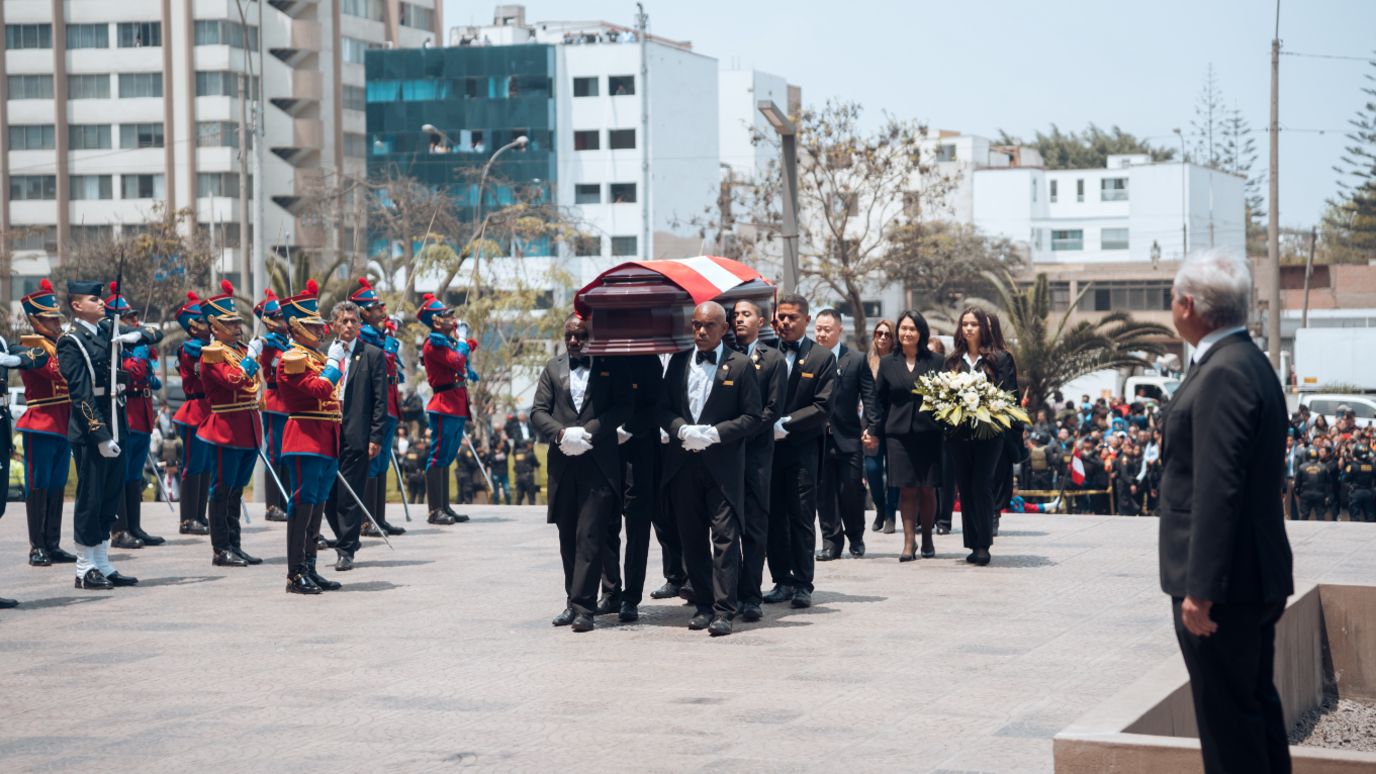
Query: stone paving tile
439 655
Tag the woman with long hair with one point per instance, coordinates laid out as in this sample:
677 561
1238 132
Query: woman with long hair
885 498
976 460
1014 449
911 436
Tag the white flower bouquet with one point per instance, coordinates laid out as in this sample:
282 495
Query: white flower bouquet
970 400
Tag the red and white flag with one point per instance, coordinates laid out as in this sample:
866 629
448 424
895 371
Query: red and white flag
704 277
1077 469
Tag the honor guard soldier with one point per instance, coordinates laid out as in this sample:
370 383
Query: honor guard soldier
22 358
446 365
47 453
273 344
374 331
138 407
1311 485
1359 475
307 384
96 428
195 454
229 376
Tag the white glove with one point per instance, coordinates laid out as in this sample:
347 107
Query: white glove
576 441
255 348
336 351
698 437
663 436
779 432
120 388
621 435
133 337
10 361
109 449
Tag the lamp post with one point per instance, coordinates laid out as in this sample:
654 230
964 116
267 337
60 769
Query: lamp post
430 129
788 138
1184 173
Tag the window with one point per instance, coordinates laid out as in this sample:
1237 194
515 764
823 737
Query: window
1060 296
83 235
217 32
40 137
622 193
88 136
873 309
219 134
416 17
140 135
1034 189
222 84
623 246
43 238
353 50
143 186
584 247
1079 190
1053 191
33 187
139 34
217 184
90 86
91 187
1113 189
946 153
19 36
585 87
1068 240
470 87
621 139
88 36
140 85
1113 239
501 87
355 145
620 85
587 193
355 98
588 140
30 86
1130 295
364 9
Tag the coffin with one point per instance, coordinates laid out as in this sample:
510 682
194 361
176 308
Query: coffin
646 307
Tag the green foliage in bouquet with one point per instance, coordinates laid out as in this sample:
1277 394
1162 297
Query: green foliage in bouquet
971 400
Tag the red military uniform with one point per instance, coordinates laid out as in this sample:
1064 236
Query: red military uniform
232 396
45 393
194 409
446 369
272 401
138 397
312 404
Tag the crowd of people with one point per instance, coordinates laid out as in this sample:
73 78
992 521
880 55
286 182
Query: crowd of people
1328 467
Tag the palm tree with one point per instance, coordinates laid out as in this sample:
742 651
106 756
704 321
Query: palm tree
1050 356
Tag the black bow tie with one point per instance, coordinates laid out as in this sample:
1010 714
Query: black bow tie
710 357
579 362
791 346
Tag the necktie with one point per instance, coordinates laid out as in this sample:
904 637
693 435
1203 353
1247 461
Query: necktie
710 357
578 362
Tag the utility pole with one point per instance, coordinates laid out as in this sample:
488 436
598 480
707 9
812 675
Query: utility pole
641 23
1273 217
1308 272
245 258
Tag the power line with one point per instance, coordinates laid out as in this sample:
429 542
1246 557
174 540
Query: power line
1329 56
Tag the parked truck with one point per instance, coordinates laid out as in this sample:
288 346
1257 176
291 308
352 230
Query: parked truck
1336 359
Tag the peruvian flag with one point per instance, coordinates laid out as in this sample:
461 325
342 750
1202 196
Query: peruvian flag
1077 469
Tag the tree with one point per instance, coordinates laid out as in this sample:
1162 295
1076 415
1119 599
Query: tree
941 263
1207 125
1239 156
1050 354
1351 219
1089 150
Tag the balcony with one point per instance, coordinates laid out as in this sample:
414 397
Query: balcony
307 133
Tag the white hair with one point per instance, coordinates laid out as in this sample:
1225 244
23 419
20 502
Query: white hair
1220 284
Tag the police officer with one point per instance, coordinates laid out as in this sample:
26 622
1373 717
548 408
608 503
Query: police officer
1359 476
47 413
272 345
138 405
96 429
465 471
1334 468
1039 463
1125 470
374 331
413 465
524 462
1311 485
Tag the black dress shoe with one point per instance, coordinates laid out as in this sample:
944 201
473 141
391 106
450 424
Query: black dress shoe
148 540
324 583
302 584
93 580
440 517
58 556
565 618
323 543
246 556
344 563
829 554
275 514
228 559
888 526
369 530
194 528
391 529
802 598
608 605
751 611
121 580
5 604
980 561
943 529
971 558
720 625
685 592
458 518
857 550
125 540
629 612
582 623
782 593
929 553
39 558
878 522
700 621
668 591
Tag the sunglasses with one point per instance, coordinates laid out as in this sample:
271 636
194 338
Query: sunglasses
881 334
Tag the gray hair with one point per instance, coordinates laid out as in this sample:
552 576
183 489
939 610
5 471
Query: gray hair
1220 284
344 306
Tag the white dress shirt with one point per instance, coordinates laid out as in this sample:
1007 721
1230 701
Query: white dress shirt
700 379
1211 338
578 385
344 365
790 357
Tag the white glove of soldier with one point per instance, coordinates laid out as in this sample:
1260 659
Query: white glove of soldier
109 449
132 337
255 348
10 361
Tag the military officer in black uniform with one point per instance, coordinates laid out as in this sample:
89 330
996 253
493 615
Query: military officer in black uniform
22 358
96 428
524 462
1311 485
1358 474
465 467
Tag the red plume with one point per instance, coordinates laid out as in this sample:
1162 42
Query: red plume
114 288
226 287
311 287
363 281
46 285
429 296
473 345
191 296
269 294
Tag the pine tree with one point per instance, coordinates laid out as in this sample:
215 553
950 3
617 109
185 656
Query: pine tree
1239 156
1352 216
1208 123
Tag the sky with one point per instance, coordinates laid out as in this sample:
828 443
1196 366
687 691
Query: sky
977 68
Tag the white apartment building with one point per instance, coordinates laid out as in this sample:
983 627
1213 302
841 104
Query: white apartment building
111 106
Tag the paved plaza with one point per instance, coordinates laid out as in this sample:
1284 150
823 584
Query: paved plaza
439 656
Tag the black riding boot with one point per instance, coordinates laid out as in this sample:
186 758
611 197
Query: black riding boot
450 512
219 532
190 501
119 533
52 528
133 503
36 509
434 496
236 545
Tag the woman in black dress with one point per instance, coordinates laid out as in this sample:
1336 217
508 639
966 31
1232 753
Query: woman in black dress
912 437
1014 449
977 459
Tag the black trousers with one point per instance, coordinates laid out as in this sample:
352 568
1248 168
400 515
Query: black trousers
641 460
711 536
1311 503
976 463
841 497
946 503
755 525
582 504
526 488
99 487
793 502
1241 725
342 511
1360 505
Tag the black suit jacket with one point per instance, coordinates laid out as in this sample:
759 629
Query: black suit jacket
513 430
607 405
771 374
1223 451
854 389
808 393
90 419
896 410
646 375
365 398
733 408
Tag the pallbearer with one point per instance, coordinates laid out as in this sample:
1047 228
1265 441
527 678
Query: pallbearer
195 454
47 453
306 383
138 406
446 366
229 375
374 331
273 344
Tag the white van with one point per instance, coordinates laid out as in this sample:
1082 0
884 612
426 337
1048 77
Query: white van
1327 404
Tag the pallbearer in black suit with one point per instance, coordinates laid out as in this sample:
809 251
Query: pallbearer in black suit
710 406
797 449
578 405
771 373
84 353
841 480
1225 558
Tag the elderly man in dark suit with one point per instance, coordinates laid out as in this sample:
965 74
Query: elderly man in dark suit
772 374
363 429
578 406
841 487
1225 559
709 406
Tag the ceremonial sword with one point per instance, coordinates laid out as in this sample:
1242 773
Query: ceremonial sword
167 498
354 495
479 460
401 484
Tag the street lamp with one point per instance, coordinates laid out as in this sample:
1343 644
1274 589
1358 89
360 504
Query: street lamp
788 138
482 181
1184 173
430 129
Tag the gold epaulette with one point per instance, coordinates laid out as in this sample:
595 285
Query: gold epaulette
212 353
294 361
38 342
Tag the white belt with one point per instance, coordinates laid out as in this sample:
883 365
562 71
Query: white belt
98 391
